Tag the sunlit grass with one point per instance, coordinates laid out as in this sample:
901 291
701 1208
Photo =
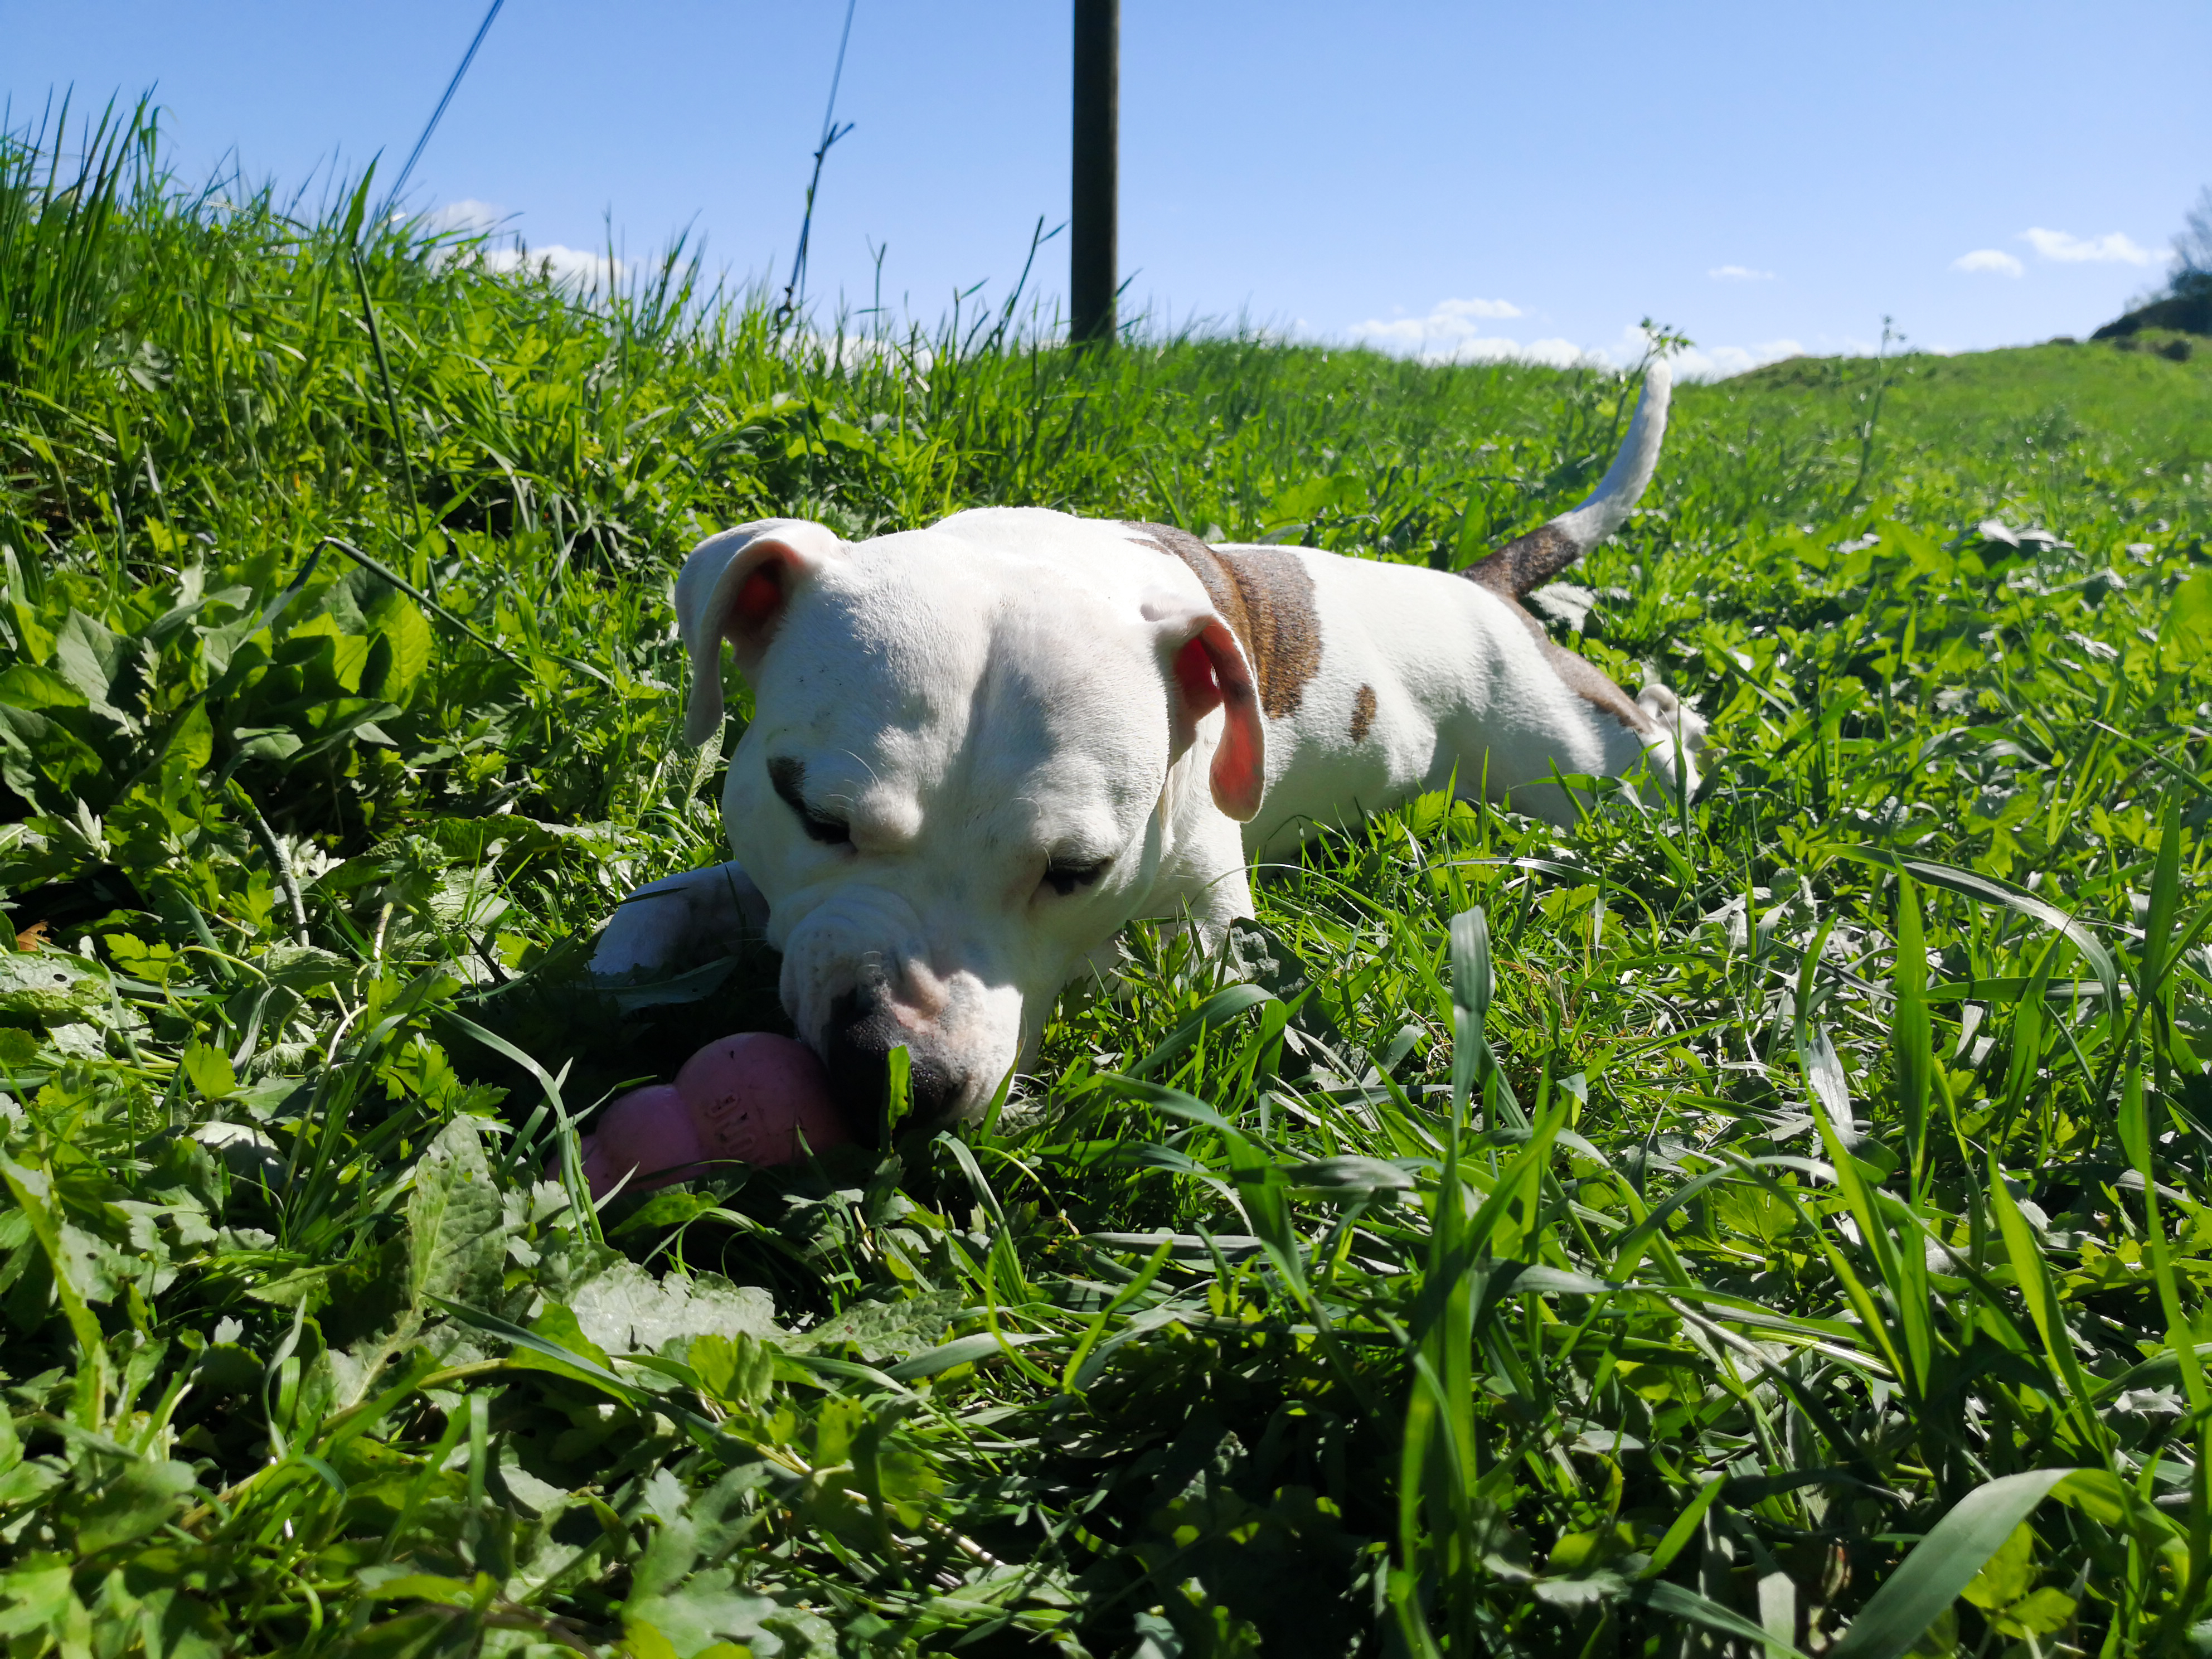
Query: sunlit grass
1631 1239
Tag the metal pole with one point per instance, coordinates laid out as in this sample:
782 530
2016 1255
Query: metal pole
1092 256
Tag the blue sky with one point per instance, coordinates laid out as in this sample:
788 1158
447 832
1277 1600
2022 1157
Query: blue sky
1471 179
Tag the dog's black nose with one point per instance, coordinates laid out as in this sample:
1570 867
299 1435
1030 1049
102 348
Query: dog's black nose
856 1047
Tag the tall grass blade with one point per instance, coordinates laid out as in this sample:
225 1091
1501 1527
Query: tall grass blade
1942 1563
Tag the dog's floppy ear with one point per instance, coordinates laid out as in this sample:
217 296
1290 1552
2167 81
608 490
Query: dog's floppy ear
1207 669
737 586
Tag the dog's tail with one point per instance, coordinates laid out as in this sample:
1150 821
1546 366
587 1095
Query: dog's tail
1530 561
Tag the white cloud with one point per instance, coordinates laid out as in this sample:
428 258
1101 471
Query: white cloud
1740 274
1451 332
1421 338
469 217
1989 258
1473 308
569 267
1448 335
1560 354
2113 248
1718 363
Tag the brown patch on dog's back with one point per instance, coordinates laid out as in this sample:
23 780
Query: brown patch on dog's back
1285 627
1363 712
1525 563
1267 598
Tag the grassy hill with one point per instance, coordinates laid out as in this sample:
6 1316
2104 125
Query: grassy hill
1985 406
1773 1218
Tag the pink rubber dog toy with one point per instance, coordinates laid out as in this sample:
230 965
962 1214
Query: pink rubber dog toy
755 1098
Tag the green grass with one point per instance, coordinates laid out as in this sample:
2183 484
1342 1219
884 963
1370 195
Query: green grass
2161 408
1776 1220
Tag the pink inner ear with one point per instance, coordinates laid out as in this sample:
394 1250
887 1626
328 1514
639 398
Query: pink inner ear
1239 777
758 596
1193 668
1210 673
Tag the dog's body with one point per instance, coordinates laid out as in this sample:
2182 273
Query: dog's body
978 751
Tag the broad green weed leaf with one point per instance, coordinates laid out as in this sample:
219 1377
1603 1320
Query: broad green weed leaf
304 967
74 1286
51 985
1308 496
2008 1574
190 745
455 1247
27 1483
557 1324
36 1597
26 685
405 634
88 656
2185 635
139 1500
682 1616
349 660
263 743
893 1329
37 639
2039 1612
622 1309
210 1070
740 1370
42 759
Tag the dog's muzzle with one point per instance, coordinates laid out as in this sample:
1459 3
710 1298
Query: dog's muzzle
864 974
856 1046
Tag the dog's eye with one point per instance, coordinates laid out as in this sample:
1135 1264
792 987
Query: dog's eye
1063 877
788 778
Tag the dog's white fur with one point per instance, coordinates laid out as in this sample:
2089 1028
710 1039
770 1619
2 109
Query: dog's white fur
1013 702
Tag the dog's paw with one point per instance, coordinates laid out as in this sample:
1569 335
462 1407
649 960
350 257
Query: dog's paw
1676 718
679 922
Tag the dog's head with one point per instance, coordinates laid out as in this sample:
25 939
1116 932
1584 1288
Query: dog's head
960 781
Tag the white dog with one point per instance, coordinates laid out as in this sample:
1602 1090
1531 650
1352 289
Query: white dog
979 750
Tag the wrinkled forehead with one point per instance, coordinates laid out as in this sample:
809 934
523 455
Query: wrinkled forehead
1062 743
877 641
925 664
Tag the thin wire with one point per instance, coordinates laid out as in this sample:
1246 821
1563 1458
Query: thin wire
831 132
452 87
837 74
